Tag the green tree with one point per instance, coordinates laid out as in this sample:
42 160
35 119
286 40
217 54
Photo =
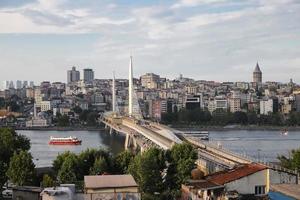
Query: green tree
47 181
147 170
92 119
100 166
63 120
183 158
67 172
21 168
77 110
123 160
10 142
58 162
292 162
240 118
86 160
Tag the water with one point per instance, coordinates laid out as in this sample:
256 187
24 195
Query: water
44 154
263 145
279 196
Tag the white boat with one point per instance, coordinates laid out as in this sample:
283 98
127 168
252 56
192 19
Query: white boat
284 132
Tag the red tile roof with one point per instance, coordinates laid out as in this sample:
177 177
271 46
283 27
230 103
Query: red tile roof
236 173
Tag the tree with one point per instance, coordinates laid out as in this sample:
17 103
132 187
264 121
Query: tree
147 170
10 142
292 162
61 158
100 166
123 160
240 118
77 110
67 172
47 181
21 168
92 119
63 120
182 158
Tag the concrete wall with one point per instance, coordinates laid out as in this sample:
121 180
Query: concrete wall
247 184
24 195
279 177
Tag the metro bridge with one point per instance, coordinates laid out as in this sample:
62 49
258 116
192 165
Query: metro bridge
142 134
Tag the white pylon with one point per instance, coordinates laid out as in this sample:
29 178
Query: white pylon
114 93
130 89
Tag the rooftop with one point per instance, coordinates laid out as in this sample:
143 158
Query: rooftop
222 178
257 69
203 184
109 181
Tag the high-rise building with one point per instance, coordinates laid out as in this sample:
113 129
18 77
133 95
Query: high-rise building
11 85
73 75
31 84
18 84
257 74
88 75
25 84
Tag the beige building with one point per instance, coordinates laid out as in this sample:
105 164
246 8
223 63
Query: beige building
235 104
112 187
150 81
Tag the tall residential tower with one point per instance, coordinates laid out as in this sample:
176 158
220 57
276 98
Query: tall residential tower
88 75
73 75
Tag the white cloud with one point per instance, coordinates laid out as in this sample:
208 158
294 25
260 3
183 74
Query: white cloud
192 3
197 42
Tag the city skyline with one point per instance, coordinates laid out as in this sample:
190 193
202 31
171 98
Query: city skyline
43 39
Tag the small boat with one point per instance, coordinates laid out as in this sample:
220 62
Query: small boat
284 132
65 141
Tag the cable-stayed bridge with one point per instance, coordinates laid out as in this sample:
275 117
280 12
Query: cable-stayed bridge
142 134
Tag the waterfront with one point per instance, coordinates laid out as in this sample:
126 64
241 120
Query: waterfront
264 145
44 154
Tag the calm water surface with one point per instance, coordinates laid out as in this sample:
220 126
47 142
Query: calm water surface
44 154
263 145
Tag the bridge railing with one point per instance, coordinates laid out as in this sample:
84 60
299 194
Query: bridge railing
217 148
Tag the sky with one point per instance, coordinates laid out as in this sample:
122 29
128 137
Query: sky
217 40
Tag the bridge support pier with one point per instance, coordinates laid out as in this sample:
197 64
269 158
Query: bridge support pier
130 142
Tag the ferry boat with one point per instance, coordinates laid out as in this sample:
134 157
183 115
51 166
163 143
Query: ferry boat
64 141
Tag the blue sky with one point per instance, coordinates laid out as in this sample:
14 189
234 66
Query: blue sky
204 39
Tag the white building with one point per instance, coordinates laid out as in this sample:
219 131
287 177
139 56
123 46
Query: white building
250 179
266 106
45 106
219 103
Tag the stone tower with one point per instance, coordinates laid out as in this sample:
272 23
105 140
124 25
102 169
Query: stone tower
257 74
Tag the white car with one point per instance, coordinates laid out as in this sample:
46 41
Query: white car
7 193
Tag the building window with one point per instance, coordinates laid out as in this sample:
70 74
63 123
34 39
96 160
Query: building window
259 190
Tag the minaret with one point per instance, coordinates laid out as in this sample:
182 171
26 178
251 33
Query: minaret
114 93
130 89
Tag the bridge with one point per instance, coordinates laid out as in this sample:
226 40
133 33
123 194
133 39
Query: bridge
142 134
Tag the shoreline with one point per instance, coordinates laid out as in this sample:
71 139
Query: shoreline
55 128
181 128
237 128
